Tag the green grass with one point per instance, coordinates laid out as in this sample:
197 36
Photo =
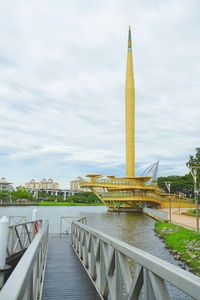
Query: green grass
192 212
186 242
54 203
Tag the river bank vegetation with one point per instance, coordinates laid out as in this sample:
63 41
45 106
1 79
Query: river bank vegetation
185 243
22 196
191 212
81 199
65 203
17 195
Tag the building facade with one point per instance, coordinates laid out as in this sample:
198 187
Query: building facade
5 185
42 185
75 187
46 187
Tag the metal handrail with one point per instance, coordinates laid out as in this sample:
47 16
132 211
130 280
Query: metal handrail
69 220
148 195
26 279
13 220
113 181
21 235
132 195
106 261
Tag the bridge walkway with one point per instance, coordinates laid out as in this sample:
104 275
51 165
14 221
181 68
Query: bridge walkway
65 277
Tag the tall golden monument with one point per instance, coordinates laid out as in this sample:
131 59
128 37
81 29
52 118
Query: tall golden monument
130 112
130 193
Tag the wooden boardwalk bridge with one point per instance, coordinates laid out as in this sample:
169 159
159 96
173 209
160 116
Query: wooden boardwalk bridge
84 265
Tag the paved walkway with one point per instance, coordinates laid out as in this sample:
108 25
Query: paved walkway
180 219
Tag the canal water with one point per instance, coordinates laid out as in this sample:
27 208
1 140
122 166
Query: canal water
136 229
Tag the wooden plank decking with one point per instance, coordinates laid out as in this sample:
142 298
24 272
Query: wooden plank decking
65 277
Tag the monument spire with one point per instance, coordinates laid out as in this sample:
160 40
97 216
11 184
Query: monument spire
130 112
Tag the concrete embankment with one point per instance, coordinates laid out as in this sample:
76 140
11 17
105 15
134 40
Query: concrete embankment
19 204
156 214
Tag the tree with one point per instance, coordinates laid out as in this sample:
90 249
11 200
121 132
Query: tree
3 195
83 197
194 161
183 184
21 194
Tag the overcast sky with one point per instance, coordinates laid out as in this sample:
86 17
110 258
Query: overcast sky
62 86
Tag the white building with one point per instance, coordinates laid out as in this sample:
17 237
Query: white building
47 187
42 185
5 185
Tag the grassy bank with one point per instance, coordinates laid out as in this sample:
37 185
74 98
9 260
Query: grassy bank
191 212
184 242
54 203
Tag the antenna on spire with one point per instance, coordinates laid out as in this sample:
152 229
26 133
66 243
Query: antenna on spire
129 35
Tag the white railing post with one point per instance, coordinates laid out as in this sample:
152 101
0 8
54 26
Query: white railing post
3 250
34 215
34 218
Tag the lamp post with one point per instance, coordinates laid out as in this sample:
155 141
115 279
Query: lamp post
168 185
190 195
193 171
179 208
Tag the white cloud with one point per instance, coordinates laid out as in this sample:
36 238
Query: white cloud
62 78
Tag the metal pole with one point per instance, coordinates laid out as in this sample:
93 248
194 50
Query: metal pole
190 195
4 223
170 209
197 211
196 199
193 170
168 185
179 204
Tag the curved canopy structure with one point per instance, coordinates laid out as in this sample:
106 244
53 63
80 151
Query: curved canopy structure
152 170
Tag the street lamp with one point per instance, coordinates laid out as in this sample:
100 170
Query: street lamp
179 196
10 197
168 185
193 171
190 195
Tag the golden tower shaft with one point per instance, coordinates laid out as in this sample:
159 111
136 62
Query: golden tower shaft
121 194
130 112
